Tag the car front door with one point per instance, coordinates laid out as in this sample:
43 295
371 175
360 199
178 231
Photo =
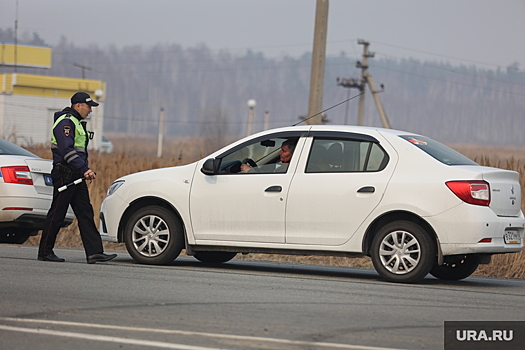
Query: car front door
335 188
232 205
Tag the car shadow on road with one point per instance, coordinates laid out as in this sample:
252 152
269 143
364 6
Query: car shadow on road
319 271
323 271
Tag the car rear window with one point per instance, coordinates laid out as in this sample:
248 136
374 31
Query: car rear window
8 148
439 151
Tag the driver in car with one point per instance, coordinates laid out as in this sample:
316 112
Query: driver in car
285 156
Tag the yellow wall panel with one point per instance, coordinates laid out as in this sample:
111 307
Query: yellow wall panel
45 86
26 56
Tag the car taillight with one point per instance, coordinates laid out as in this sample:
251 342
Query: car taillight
473 192
17 175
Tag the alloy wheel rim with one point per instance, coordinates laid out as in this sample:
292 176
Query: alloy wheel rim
400 252
150 236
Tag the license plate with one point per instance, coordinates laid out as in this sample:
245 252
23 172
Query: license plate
512 237
48 180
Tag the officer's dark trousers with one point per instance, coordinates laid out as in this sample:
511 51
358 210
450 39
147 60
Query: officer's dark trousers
78 197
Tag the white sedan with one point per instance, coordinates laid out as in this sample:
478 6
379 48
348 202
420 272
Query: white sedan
26 191
414 205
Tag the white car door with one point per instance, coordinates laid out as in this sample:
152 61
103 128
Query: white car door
243 207
335 188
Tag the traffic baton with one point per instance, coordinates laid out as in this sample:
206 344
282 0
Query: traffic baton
76 182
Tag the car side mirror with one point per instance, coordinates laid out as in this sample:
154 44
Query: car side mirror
210 166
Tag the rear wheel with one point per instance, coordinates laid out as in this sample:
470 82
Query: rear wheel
456 267
214 257
154 235
403 251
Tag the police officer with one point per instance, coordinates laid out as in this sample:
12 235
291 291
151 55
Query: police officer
69 141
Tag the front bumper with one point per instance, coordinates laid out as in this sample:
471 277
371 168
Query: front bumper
108 229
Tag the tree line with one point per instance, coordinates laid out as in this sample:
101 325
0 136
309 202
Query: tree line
203 92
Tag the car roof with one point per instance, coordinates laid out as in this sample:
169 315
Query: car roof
338 128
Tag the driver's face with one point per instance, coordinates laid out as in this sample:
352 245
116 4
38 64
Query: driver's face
285 154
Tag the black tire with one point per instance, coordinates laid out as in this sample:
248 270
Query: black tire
455 267
154 235
214 257
15 236
403 251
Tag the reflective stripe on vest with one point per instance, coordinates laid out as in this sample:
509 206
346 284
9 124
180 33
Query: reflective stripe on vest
80 133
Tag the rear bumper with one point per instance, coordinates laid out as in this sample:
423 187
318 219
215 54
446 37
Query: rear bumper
33 221
27 212
462 229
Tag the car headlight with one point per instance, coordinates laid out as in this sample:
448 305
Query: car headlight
114 186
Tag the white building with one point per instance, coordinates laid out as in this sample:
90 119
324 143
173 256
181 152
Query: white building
28 102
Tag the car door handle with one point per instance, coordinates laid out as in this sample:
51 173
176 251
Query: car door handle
274 189
366 189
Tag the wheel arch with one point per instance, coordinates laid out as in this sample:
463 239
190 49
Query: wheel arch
142 202
395 216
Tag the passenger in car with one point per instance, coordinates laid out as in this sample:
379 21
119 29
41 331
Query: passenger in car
334 156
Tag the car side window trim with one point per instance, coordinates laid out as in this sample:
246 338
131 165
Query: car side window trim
349 136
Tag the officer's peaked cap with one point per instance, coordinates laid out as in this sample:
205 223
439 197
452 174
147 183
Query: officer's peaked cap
82 97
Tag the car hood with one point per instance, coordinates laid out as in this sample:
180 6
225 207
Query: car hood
160 173
155 182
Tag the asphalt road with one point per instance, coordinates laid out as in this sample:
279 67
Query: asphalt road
238 305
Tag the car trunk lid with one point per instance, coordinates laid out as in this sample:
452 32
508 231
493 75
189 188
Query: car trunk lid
505 191
41 174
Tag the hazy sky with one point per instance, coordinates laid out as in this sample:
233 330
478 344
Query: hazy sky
488 32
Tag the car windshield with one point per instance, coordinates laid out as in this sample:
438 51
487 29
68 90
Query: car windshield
8 148
439 151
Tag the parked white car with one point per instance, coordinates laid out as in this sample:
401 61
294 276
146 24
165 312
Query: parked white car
26 191
106 145
412 204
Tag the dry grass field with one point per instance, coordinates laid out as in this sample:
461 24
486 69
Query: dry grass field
138 153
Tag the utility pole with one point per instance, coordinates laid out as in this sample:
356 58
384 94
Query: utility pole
366 78
251 105
16 37
83 69
315 103
161 133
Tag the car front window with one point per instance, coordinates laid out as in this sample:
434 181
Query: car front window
439 151
264 156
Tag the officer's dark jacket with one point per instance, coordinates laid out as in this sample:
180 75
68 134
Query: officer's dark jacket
64 152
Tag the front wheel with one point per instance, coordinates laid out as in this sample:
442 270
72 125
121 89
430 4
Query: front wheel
214 257
456 267
403 251
154 235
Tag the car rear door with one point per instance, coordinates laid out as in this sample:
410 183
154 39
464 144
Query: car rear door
338 183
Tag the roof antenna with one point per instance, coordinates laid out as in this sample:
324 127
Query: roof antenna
340 103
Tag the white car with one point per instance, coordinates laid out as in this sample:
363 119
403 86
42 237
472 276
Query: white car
412 204
26 190
106 145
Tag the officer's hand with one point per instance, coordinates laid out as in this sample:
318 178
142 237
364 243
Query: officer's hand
90 175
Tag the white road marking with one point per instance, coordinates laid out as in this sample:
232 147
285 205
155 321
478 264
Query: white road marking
166 331
104 338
